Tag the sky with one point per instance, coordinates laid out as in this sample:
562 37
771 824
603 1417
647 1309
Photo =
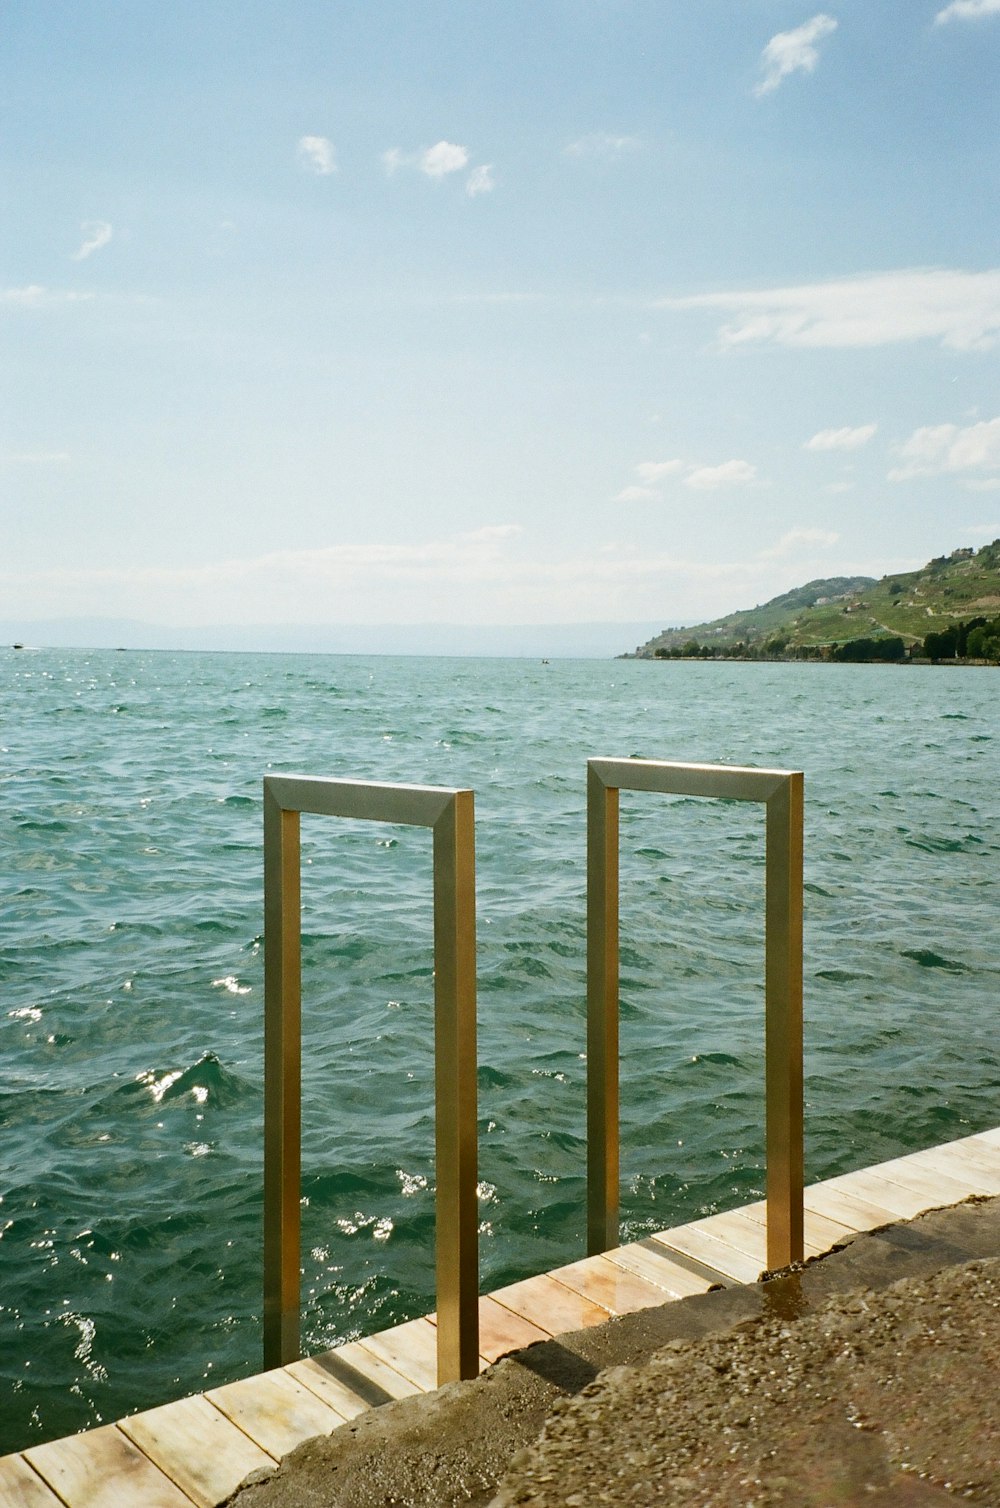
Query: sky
547 311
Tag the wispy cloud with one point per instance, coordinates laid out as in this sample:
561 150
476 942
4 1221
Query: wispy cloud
34 296
486 576
937 449
655 471
795 540
699 478
318 154
637 495
959 309
967 10
96 234
728 474
480 180
603 145
793 52
841 439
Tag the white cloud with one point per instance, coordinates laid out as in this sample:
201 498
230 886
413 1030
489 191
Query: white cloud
446 157
841 439
438 161
653 471
318 154
490 575
960 309
967 10
937 449
793 52
34 296
792 543
603 144
728 474
480 180
637 495
96 233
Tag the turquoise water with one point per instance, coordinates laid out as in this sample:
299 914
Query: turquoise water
131 976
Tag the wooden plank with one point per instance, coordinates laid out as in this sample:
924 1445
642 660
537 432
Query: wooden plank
842 1204
275 1410
923 1177
347 1399
550 1305
21 1487
197 1447
965 1166
903 1203
990 1138
103 1469
649 1260
614 1288
717 1256
411 1349
354 1360
502 1331
821 1233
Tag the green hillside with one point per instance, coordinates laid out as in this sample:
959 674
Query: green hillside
822 614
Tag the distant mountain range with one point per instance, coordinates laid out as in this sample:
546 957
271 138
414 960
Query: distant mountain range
908 605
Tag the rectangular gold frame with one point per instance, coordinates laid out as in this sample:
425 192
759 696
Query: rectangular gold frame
450 816
782 793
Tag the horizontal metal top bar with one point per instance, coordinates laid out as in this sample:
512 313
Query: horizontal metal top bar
736 782
372 800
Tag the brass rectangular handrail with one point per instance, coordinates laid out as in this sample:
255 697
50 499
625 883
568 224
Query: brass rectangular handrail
781 791
450 816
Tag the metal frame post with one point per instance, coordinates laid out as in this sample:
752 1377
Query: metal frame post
450 815
782 793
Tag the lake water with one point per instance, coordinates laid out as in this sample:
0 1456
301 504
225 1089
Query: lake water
131 976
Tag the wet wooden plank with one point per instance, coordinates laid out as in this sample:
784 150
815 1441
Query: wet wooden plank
550 1305
649 1260
275 1410
21 1487
615 1288
197 1447
718 1256
502 1331
103 1469
411 1349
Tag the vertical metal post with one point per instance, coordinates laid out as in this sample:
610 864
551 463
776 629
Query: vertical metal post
783 1025
282 1082
782 792
602 1015
451 816
455 1091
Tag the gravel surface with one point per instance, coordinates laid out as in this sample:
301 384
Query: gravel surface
870 1377
877 1398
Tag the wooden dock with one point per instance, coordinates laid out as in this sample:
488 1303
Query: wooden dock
201 1448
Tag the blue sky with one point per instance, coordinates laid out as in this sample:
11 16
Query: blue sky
479 313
